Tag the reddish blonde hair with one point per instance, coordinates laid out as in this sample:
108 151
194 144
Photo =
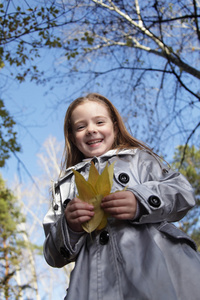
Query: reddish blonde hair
123 140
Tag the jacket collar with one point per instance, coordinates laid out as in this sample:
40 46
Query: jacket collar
109 154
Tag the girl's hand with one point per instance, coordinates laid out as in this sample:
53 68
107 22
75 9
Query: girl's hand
120 205
78 212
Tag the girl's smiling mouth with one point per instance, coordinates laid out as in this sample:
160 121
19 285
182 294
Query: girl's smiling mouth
93 142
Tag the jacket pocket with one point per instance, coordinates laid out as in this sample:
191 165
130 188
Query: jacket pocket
175 234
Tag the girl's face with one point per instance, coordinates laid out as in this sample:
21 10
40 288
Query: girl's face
93 131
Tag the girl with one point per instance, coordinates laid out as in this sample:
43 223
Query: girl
139 255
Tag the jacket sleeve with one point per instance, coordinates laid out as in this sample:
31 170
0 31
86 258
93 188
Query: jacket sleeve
58 250
163 195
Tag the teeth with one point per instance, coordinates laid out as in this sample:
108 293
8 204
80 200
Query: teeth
94 142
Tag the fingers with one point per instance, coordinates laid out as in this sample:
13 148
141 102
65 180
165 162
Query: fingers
121 205
78 212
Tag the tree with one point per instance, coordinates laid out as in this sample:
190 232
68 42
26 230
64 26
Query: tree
35 200
190 168
11 245
8 137
26 27
145 53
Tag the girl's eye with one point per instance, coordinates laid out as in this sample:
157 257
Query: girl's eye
80 127
100 122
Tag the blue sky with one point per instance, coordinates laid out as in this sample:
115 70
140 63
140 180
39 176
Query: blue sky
36 121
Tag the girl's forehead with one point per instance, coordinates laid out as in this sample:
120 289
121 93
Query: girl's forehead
89 108
92 102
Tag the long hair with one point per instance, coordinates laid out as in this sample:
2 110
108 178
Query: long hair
123 139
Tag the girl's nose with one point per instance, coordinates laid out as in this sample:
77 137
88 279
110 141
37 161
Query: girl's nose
91 129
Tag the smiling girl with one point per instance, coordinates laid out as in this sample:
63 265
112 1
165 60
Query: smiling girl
140 254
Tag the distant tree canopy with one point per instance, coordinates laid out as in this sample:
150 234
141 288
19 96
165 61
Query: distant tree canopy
144 54
11 245
26 28
190 168
8 138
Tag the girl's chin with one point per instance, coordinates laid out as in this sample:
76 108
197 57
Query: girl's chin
95 152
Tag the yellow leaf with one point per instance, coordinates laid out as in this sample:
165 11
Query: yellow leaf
98 215
103 223
93 191
104 183
93 175
85 189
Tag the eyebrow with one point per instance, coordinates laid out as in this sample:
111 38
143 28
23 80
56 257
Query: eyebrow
96 117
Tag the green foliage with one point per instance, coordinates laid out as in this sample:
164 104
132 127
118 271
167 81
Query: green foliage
190 168
8 137
24 30
11 243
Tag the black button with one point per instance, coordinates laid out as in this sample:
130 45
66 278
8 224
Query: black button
123 178
104 237
64 252
55 207
154 201
65 203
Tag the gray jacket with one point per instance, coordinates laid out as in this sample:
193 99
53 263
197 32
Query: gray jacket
143 259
